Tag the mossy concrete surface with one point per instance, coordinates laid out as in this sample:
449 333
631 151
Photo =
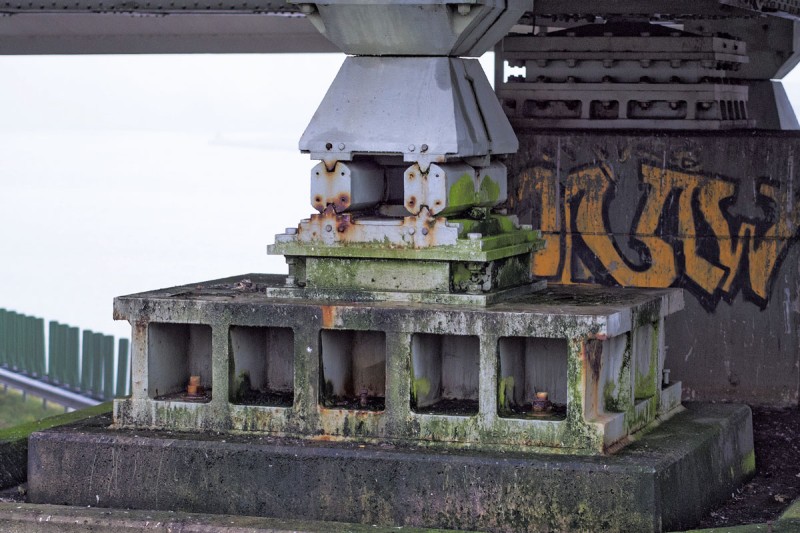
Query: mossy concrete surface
664 481
14 442
34 518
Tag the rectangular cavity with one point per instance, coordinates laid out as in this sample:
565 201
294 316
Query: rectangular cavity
532 379
353 373
179 362
645 361
446 371
263 366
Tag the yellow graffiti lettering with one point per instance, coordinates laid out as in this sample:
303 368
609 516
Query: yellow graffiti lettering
713 257
593 184
545 190
763 253
663 182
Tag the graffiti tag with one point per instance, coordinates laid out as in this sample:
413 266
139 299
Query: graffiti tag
684 232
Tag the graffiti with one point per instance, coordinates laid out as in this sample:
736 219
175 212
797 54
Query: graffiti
686 230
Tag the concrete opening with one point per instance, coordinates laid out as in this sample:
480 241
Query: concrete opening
645 361
179 362
353 373
262 372
532 378
446 371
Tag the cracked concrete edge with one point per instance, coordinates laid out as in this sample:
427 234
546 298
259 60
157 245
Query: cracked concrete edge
14 442
36 518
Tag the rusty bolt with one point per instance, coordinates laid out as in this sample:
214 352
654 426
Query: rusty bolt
193 389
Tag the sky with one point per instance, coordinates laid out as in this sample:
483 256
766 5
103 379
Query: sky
122 174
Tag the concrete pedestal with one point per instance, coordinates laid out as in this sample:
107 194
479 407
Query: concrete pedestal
664 481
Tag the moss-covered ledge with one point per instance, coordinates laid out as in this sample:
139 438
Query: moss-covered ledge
14 442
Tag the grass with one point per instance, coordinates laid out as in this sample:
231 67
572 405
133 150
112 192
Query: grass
14 410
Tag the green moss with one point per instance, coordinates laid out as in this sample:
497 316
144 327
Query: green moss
489 192
749 463
462 192
22 431
610 399
420 387
646 384
505 392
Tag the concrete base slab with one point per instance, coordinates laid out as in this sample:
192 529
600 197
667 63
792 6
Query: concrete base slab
37 518
664 481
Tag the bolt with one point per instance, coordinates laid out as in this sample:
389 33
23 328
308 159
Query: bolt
194 389
411 231
328 227
424 231
474 236
363 397
423 148
666 376
341 146
411 147
328 146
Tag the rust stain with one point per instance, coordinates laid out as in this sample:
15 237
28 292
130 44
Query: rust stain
328 315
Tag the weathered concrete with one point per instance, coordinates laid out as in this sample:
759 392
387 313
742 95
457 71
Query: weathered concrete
664 481
14 442
717 214
605 366
36 518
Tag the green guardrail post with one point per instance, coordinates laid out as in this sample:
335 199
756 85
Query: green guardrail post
122 368
3 336
72 374
24 356
108 367
40 352
97 365
87 360
53 348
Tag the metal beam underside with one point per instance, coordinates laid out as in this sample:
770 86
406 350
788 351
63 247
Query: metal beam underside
72 31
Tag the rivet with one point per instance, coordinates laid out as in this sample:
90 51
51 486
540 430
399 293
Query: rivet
411 147
424 231
341 146
423 148
411 231
328 228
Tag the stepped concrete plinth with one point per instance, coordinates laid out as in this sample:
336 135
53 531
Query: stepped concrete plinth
664 481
